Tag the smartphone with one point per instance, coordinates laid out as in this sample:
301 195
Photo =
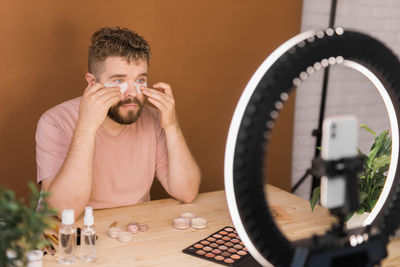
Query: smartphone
339 140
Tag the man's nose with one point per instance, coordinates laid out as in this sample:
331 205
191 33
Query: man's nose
131 90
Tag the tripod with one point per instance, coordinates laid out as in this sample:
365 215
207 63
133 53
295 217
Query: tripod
317 133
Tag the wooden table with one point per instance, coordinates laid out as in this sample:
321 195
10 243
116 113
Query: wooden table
162 244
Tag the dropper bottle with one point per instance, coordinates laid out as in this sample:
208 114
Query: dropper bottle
88 237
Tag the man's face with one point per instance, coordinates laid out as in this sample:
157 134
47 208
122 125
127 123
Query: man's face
118 71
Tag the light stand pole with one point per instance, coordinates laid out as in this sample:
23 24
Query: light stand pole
318 132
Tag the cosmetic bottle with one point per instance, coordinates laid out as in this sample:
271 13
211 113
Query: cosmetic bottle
88 237
67 238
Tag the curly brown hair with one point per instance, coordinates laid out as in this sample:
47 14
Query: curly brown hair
122 42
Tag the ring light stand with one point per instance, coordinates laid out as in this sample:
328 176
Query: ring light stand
253 121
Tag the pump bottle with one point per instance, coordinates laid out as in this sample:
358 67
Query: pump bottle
88 237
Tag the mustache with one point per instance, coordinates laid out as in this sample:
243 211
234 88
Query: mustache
129 101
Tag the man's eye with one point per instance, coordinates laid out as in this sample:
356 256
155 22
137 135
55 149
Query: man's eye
142 80
118 81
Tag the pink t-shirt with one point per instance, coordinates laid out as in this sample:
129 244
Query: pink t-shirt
124 166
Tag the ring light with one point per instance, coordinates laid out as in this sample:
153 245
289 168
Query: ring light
259 106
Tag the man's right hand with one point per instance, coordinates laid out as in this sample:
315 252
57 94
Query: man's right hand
95 103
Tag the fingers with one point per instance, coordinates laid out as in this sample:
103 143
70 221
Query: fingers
165 87
111 100
93 87
102 96
151 93
160 105
97 87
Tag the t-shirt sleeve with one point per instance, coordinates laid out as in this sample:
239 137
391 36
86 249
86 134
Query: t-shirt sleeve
162 157
51 148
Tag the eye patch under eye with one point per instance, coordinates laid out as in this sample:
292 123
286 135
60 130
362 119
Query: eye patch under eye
123 86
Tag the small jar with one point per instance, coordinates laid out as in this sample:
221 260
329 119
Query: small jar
35 258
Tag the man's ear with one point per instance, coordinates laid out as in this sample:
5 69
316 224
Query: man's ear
90 78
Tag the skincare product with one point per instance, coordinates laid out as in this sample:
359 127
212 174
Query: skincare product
88 237
124 86
67 238
181 223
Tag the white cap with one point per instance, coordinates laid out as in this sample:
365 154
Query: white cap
34 255
68 217
88 219
88 211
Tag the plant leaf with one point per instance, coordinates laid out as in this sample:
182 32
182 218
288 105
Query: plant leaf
315 197
376 148
360 211
380 162
372 204
363 196
365 127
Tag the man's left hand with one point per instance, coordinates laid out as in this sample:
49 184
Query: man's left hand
162 98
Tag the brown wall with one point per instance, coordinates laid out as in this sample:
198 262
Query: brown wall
207 50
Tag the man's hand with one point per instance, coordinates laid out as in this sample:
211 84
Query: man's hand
95 103
163 99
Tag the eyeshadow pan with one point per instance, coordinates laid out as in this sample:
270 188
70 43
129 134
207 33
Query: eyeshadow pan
235 257
238 246
219 258
210 255
225 238
213 245
219 241
223 232
200 252
207 249
225 254
235 240
231 235
205 242
228 244
232 250
229 260
198 246
217 235
228 229
211 239
242 253
217 251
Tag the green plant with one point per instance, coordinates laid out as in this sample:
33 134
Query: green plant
22 226
373 175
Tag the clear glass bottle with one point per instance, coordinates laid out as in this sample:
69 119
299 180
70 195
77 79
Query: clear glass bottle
67 238
88 237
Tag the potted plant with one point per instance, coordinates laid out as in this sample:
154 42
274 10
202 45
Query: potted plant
373 175
22 226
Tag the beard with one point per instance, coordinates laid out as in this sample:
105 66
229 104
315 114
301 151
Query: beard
131 117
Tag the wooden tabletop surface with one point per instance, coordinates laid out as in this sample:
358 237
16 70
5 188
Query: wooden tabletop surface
162 244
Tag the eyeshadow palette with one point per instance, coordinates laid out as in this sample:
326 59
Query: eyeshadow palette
224 247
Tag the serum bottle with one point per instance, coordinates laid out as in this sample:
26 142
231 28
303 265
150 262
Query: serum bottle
67 238
88 237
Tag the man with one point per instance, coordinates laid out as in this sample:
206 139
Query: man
103 149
